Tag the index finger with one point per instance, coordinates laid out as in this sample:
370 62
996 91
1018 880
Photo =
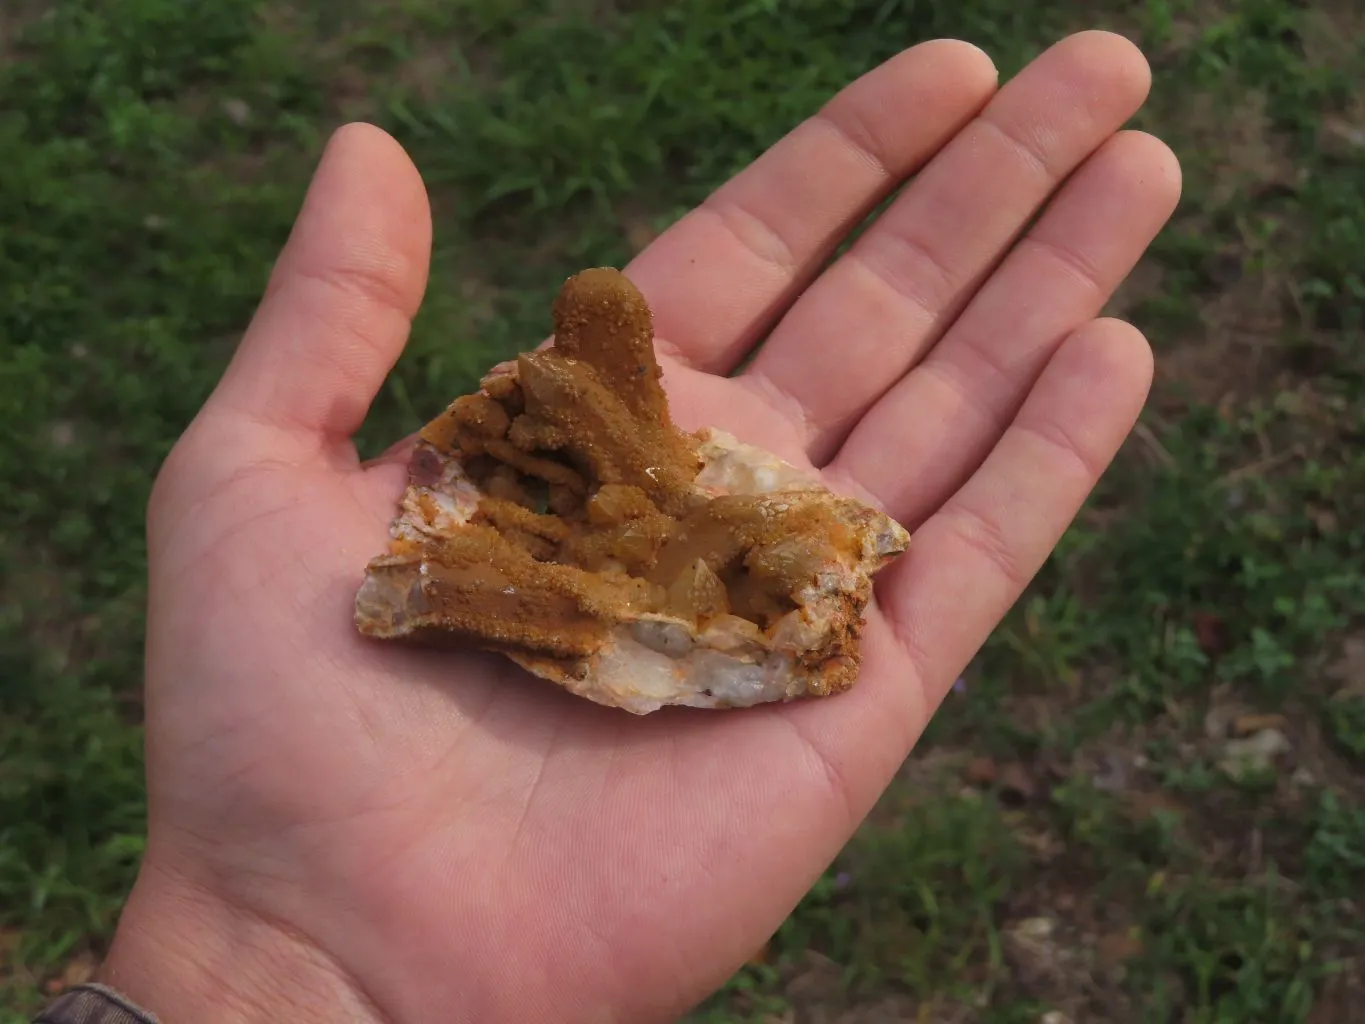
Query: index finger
720 277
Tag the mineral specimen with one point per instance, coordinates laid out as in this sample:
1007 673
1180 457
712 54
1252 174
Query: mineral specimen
559 517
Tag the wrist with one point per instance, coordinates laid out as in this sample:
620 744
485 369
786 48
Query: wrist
185 954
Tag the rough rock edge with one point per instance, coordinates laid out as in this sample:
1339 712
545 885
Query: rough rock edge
657 660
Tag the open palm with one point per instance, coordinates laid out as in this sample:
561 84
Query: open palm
350 829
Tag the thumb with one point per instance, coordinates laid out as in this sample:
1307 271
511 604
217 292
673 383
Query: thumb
340 302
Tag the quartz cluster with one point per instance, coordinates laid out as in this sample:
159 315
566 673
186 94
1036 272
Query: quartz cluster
558 516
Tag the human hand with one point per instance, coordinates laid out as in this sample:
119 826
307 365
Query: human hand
344 830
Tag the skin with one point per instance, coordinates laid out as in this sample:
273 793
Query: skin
341 830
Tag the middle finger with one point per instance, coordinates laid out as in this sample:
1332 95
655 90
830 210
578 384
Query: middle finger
884 304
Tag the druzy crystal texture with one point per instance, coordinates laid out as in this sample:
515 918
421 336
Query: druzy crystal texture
559 517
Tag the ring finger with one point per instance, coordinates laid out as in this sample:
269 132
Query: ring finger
922 440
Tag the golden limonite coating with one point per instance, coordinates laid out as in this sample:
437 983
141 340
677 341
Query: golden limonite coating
559 517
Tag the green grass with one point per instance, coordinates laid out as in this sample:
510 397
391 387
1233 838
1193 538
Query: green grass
156 152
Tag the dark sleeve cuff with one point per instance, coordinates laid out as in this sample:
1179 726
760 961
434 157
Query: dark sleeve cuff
93 1004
